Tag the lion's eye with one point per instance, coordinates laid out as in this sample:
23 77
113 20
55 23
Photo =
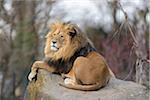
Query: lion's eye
62 36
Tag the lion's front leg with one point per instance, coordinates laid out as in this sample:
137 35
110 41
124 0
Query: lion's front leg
39 65
32 74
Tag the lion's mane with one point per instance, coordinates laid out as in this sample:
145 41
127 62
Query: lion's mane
63 59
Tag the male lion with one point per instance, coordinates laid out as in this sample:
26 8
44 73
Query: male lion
69 52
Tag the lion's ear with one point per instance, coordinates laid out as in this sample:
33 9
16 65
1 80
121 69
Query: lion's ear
73 32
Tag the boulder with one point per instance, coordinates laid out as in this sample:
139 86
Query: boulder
46 87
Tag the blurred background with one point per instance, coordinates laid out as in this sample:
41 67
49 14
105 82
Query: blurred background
24 23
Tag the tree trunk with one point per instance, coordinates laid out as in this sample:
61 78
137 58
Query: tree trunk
142 72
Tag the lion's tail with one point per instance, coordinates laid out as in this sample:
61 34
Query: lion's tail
83 87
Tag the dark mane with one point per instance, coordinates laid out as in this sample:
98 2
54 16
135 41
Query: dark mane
62 66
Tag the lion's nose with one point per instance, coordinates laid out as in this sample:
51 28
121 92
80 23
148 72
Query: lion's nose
54 42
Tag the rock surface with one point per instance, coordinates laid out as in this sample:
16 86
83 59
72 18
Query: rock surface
46 87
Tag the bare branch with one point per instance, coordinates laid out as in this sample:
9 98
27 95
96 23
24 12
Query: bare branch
3 12
118 31
128 24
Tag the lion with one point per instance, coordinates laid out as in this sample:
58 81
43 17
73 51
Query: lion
69 52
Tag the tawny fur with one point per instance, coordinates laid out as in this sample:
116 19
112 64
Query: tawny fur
69 47
87 73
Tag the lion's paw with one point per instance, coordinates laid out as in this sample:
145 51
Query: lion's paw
68 81
31 76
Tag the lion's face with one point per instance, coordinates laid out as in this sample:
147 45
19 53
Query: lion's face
61 39
57 41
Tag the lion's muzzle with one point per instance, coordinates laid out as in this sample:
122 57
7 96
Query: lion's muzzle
54 46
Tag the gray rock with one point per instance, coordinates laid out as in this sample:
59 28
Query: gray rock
46 87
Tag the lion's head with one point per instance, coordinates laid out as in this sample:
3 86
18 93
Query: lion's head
63 40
